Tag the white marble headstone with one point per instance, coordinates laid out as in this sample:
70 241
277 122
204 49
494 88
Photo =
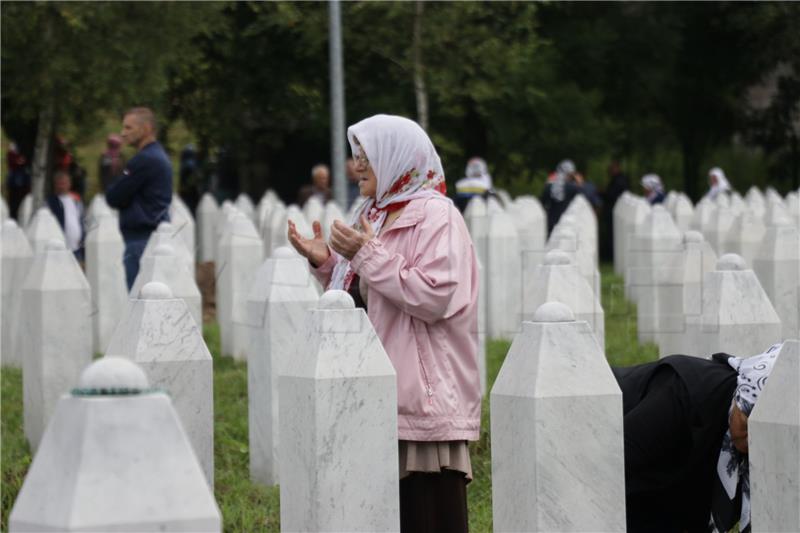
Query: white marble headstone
777 266
277 301
313 210
503 276
106 275
557 438
338 426
245 205
165 266
207 215
737 316
745 235
182 220
115 459
16 257
241 253
42 229
25 211
160 335
57 333
332 212
169 234
774 446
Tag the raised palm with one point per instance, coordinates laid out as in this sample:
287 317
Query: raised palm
315 250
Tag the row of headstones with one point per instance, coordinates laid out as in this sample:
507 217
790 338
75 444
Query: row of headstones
556 411
686 304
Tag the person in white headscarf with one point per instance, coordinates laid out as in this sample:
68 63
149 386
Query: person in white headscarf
562 186
685 430
718 183
407 257
653 188
476 182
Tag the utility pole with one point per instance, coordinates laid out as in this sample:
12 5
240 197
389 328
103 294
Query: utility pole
337 104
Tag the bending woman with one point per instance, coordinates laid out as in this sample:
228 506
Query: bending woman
408 259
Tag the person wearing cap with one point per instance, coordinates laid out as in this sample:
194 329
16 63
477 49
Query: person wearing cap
111 161
718 183
685 430
562 186
653 188
407 257
476 182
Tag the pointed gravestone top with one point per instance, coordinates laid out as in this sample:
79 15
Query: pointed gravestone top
335 299
155 290
110 374
731 262
693 236
283 252
54 244
553 312
164 249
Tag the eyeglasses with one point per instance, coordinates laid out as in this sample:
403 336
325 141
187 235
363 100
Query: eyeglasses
361 159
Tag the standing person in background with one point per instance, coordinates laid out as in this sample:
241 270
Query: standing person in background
19 180
408 258
143 192
618 183
111 161
718 183
320 186
562 186
67 207
189 186
653 188
476 182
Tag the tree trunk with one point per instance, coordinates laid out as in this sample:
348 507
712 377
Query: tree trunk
419 69
41 152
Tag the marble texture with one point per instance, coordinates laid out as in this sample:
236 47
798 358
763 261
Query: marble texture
557 431
529 219
774 443
477 221
281 294
25 211
182 220
698 258
619 214
15 260
682 212
313 209
635 218
42 229
241 253
557 280
716 230
657 253
702 214
169 234
160 335
586 224
165 266
207 214
106 275
565 238
503 276
777 266
56 333
338 426
115 463
737 316
332 212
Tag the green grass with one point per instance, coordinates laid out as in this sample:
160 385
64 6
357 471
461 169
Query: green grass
247 507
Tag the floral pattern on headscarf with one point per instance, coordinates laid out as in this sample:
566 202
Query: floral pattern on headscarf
398 150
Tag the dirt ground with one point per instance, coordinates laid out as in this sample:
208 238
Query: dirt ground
206 281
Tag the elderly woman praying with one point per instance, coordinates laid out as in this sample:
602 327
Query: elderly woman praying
408 259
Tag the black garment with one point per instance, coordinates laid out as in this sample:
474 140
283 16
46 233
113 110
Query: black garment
675 415
434 502
658 198
143 192
555 207
57 208
618 184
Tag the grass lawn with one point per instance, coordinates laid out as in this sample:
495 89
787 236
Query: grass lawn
247 507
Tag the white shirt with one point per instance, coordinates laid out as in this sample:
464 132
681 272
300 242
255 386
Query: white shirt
72 221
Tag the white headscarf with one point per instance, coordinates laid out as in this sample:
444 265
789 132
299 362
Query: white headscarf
722 185
563 171
406 165
732 466
478 170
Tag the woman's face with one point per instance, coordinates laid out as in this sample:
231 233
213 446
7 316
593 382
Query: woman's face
367 181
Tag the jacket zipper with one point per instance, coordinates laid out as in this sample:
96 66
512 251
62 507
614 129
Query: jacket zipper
428 389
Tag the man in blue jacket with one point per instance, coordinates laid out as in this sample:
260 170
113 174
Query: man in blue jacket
143 192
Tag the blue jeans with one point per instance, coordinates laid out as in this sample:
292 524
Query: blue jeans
133 253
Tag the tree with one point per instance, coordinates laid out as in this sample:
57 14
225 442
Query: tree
66 62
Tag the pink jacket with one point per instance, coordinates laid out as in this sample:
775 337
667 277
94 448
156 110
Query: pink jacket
422 300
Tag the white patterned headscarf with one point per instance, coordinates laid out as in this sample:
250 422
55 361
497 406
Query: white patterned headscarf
406 165
733 467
